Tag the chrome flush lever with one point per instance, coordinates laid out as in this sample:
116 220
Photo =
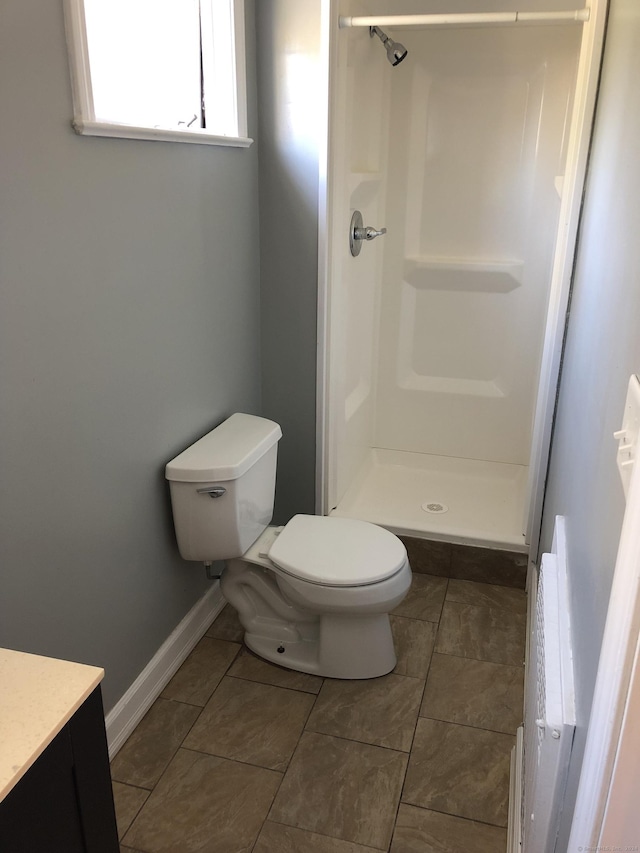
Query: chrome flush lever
359 232
212 491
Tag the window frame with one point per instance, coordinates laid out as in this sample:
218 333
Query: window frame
84 117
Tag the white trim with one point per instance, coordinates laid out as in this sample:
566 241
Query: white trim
224 64
514 822
615 671
163 134
241 68
78 50
131 708
577 16
328 62
621 822
570 207
84 117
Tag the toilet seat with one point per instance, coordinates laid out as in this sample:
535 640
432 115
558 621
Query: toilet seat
337 552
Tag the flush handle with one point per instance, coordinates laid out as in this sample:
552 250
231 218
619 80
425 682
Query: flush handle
213 491
358 232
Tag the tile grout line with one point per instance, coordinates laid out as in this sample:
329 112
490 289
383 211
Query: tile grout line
478 660
467 726
180 745
457 816
293 752
324 835
138 810
279 686
415 728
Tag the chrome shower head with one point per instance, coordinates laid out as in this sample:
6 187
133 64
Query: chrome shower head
396 52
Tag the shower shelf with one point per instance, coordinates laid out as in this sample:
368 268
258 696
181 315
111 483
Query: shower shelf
463 274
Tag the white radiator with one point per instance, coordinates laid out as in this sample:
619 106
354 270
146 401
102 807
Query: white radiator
549 718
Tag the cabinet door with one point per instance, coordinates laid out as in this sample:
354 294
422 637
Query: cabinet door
41 814
64 803
92 777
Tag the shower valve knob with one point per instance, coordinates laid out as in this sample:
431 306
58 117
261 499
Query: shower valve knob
369 233
359 232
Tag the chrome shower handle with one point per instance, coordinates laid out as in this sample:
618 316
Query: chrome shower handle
368 233
358 232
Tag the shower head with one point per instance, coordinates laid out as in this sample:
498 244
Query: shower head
396 52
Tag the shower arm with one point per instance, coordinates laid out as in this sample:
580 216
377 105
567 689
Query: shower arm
376 31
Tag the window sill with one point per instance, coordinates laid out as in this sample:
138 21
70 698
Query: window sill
162 134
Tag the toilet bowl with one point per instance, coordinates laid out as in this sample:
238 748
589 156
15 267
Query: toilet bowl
314 595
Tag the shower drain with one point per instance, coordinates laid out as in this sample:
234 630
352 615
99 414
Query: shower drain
434 507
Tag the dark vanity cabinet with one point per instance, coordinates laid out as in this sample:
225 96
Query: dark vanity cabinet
64 802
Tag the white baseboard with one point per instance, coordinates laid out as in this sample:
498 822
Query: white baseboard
514 825
128 712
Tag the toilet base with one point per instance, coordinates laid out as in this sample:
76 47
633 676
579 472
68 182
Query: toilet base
352 647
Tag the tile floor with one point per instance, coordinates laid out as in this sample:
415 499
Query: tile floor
240 755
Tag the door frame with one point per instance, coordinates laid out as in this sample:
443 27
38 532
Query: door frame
610 767
581 128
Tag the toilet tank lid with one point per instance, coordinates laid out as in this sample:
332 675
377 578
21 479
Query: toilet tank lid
225 453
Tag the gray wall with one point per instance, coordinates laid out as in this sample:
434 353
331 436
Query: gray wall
602 351
129 326
291 113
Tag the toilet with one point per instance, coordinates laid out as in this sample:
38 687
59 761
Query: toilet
314 595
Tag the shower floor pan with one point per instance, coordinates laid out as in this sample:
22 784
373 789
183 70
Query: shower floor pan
440 497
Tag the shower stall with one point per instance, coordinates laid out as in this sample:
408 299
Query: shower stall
441 338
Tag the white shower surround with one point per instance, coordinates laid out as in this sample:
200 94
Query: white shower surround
435 333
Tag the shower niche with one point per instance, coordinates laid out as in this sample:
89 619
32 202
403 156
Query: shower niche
436 332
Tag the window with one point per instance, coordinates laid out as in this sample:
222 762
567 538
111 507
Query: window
158 69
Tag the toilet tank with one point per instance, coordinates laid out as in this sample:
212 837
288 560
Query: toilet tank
223 487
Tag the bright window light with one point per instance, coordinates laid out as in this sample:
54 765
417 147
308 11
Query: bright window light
141 67
145 61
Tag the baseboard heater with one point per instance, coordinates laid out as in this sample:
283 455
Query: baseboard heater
540 759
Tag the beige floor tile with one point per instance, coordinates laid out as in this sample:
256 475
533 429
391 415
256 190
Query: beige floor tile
424 599
278 838
423 831
226 626
487 595
460 771
381 711
474 693
251 722
144 757
127 801
204 804
482 633
252 668
201 672
343 789
414 640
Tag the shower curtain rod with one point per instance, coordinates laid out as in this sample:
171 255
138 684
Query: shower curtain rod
467 19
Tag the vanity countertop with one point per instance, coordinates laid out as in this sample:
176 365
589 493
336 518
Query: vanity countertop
38 696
